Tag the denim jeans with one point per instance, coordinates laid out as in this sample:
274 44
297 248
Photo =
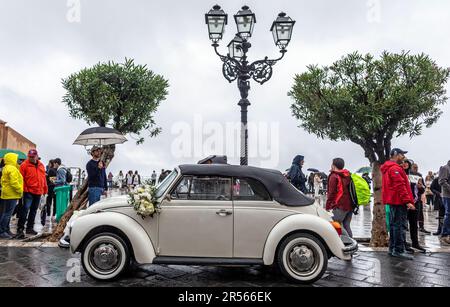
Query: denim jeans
397 233
446 223
94 195
7 209
27 212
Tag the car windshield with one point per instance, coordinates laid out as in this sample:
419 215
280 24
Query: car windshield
162 187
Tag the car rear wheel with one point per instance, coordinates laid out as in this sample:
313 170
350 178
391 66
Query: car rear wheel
105 256
302 258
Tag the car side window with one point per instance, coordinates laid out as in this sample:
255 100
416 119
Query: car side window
181 191
210 188
249 189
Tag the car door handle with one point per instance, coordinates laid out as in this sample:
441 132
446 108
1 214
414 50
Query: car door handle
224 212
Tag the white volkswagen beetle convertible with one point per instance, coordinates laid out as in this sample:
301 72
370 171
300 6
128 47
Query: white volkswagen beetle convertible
213 215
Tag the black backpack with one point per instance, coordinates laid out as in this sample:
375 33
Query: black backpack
69 176
353 196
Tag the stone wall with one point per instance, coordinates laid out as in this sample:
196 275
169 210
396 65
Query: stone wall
11 139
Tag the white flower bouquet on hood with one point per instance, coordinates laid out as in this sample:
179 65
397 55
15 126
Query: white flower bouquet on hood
143 200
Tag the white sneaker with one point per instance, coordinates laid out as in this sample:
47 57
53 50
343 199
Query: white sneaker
63 243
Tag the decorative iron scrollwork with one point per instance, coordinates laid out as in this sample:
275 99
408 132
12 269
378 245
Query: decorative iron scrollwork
230 70
261 71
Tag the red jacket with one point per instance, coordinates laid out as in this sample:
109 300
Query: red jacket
34 180
396 189
338 193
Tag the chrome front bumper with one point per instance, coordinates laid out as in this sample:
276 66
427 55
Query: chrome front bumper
351 246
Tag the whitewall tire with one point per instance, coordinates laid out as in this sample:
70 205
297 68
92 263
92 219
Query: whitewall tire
302 258
105 256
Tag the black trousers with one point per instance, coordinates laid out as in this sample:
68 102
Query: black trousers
413 229
420 217
437 202
51 200
430 200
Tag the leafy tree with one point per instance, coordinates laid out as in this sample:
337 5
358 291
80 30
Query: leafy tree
370 101
123 96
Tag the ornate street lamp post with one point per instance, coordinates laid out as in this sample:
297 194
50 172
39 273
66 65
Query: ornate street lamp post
235 64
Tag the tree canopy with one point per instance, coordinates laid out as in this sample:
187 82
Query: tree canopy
369 101
123 96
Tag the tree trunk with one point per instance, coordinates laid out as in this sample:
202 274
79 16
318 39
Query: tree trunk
81 198
379 231
79 201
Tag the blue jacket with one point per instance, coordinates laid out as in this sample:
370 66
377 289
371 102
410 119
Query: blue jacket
96 176
298 179
61 176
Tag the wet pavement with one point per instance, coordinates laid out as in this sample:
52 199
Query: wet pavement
49 267
43 264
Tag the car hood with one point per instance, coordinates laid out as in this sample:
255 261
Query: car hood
107 204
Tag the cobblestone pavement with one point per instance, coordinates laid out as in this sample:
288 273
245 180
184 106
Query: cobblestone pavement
48 267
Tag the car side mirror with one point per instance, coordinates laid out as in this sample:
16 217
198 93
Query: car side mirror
168 197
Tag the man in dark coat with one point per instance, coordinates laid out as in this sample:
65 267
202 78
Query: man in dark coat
296 175
437 202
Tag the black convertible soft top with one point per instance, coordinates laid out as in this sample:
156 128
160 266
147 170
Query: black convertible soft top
278 186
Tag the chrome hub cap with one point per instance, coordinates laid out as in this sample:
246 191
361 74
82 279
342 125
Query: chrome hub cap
105 257
302 259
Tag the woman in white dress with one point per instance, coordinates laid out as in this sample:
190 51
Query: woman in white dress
120 179
317 186
136 179
129 180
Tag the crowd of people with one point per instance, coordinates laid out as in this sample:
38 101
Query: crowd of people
404 194
133 179
404 191
23 185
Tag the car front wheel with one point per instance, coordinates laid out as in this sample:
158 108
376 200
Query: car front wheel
302 258
105 256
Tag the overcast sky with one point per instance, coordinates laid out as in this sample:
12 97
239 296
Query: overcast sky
43 41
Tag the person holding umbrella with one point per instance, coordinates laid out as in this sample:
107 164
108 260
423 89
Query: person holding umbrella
311 177
97 183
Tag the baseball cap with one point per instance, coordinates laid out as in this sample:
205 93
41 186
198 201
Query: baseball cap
397 151
32 153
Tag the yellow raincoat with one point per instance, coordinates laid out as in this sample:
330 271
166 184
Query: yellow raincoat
12 180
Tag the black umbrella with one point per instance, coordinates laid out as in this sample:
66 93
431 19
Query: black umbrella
314 170
322 175
214 160
100 136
